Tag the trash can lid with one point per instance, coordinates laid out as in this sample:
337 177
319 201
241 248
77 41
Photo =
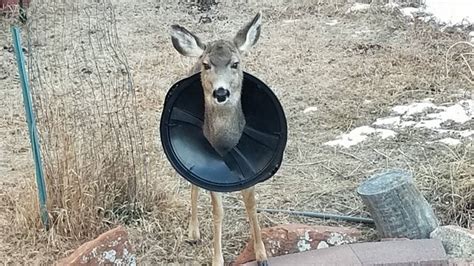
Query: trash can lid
255 158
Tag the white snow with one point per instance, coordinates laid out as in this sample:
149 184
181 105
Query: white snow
310 109
290 21
391 120
414 108
450 141
409 11
457 113
460 112
331 22
358 7
451 11
431 117
360 134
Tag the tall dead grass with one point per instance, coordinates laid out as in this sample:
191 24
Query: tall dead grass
447 178
461 53
93 147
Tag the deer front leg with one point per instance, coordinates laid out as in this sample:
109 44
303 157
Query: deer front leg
193 228
217 217
251 207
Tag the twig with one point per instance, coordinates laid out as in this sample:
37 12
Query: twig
355 157
449 49
381 153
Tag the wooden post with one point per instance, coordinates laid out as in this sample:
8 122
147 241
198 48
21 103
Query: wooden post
397 206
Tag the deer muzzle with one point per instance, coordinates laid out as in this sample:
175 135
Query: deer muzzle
221 94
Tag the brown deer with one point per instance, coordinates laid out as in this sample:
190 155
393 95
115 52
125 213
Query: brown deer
224 121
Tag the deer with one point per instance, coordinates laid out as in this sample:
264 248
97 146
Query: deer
219 64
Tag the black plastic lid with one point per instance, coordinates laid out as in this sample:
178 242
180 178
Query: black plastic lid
256 157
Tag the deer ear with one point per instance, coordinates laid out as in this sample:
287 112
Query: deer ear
185 42
249 34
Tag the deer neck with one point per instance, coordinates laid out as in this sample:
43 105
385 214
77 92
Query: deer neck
223 125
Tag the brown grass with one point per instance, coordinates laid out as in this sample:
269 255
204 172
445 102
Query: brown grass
94 161
353 72
448 181
466 55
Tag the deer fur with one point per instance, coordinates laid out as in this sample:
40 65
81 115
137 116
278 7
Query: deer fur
224 121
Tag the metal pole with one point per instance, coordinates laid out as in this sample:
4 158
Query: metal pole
314 215
30 119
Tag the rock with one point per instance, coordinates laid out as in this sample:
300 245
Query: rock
110 248
293 238
457 241
6 4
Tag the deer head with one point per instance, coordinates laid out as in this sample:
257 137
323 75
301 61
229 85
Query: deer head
219 61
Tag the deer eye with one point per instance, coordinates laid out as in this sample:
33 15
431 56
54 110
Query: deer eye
206 66
235 65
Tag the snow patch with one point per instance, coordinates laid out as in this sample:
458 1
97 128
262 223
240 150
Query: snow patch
360 134
448 12
357 7
391 120
310 109
451 12
409 11
331 22
414 108
430 117
450 141
460 112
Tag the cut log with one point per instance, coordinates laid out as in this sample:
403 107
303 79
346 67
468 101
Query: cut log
397 206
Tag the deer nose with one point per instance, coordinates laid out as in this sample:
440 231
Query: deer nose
221 94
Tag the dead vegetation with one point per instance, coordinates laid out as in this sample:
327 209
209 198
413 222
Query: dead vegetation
353 71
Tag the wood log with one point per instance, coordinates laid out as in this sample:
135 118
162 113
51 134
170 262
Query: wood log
397 206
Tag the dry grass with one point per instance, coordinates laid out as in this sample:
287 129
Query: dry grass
448 181
466 54
95 165
353 72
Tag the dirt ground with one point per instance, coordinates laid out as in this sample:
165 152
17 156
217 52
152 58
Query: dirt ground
352 67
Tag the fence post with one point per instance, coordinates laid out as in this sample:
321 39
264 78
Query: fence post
30 119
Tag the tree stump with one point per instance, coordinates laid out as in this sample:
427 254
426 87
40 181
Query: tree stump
397 206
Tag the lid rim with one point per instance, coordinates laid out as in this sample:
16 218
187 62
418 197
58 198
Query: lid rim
266 172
